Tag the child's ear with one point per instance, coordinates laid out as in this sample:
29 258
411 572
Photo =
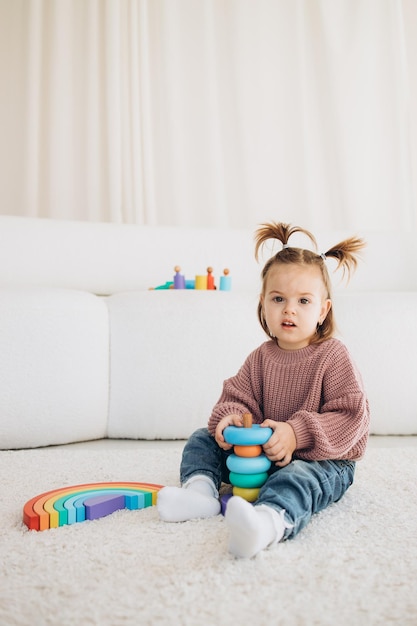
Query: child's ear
326 306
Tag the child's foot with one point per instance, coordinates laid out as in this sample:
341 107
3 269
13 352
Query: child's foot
252 528
179 504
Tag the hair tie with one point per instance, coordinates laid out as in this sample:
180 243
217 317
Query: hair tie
323 256
285 245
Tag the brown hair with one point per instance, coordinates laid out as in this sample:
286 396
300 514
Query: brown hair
345 253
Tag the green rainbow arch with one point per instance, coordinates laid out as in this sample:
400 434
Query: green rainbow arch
69 505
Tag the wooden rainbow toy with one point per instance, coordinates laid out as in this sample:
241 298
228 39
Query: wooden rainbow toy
78 503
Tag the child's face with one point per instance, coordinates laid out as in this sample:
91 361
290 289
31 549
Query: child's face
294 303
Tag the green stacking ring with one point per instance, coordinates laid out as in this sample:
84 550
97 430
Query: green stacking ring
247 481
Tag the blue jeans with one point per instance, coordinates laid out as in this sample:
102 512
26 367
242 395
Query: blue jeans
301 488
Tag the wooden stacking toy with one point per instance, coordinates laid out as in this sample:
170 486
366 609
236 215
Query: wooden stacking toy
248 464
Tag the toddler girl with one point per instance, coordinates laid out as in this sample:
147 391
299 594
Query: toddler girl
301 383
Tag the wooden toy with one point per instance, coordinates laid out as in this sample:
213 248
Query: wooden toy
248 450
248 465
210 278
248 481
224 499
250 495
225 281
179 279
168 285
256 435
100 506
67 505
200 282
72 509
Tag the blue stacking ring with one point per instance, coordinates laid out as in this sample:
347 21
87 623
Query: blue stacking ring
245 465
248 481
240 436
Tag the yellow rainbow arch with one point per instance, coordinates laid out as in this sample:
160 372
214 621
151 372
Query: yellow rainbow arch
68 505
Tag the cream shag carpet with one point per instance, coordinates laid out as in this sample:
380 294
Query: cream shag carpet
356 563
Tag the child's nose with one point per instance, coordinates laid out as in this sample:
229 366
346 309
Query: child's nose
289 307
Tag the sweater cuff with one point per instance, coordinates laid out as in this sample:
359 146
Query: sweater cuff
302 434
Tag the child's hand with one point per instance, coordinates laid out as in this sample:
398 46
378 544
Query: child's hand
228 420
281 444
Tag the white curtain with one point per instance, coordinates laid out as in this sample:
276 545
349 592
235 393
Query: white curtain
221 113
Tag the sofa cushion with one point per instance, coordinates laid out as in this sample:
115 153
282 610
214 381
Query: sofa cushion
380 331
54 365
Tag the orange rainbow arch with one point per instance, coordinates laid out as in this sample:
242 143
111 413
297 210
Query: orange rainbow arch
78 503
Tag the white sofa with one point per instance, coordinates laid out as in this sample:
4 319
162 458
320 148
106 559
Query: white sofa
87 351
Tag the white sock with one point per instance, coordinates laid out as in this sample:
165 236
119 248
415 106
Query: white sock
252 528
197 498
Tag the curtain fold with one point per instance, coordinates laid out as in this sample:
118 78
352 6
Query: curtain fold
222 113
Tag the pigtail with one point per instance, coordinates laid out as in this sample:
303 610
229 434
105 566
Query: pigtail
280 231
346 255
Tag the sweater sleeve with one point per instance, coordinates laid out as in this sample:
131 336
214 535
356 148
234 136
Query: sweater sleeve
340 429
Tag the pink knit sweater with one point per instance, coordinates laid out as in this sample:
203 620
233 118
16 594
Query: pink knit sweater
317 390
